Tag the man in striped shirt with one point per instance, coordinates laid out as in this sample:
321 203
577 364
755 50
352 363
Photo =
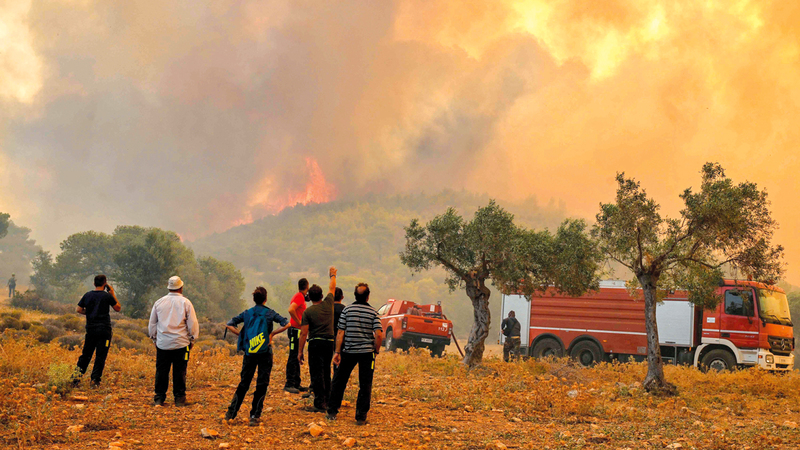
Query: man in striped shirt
361 332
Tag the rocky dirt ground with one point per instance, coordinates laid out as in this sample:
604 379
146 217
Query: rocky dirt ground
418 402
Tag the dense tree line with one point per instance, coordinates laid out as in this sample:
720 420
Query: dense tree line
363 238
138 261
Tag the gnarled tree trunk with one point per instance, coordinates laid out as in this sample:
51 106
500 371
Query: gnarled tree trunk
654 382
479 294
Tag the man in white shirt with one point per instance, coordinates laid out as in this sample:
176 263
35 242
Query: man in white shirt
173 328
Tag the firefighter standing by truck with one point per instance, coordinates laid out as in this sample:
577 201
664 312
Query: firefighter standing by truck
511 330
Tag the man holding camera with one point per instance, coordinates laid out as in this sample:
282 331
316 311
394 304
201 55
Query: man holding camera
95 306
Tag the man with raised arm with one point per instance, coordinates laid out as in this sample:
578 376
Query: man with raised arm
95 306
317 328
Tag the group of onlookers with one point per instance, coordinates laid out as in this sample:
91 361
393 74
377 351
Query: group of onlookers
338 338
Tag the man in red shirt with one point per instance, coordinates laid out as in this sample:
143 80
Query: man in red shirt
296 309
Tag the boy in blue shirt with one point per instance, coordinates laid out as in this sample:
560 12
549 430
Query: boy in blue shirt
257 352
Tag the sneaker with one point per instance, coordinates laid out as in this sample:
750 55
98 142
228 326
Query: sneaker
292 390
229 415
94 384
181 401
307 394
158 402
330 417
254 421
361 422
302 389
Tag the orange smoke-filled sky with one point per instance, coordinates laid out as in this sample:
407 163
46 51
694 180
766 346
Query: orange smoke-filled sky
196 117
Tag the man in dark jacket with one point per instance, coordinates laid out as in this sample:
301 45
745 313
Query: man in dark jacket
511 330
317 328
95 306
257 352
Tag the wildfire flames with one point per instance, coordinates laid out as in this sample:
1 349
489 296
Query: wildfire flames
265 200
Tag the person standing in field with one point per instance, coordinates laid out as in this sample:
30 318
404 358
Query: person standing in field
174 328
510 328
358 343
255 340
338 307
317 329
95 306
296 309
12 285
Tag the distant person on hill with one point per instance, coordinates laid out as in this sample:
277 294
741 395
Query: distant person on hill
317 329
257 348
95 306
510 328
358 343
174 328
296 309
12 285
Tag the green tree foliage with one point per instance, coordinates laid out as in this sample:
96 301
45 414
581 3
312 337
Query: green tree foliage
515 259
139 261
724 225
17 251
363 239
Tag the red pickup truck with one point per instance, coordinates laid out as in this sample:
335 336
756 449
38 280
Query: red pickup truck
407 324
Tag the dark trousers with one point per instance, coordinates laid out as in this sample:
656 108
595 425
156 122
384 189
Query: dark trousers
98 341
177 360
11 291
511 346
366 369
263 362
320 353
292 364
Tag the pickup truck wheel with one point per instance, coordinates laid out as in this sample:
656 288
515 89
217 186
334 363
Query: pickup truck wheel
437 351
391 342
719 360
548 347
587 353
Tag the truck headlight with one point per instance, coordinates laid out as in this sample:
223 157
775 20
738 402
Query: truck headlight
769 359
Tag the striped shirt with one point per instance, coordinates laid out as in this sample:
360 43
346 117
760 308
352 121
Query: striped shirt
359 323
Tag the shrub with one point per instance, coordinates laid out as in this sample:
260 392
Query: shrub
71 341
32 301
59 378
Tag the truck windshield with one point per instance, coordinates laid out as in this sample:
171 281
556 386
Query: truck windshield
773 307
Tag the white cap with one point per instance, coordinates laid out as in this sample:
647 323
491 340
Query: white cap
175 283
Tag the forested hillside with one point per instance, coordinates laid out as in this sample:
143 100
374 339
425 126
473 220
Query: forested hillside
362 238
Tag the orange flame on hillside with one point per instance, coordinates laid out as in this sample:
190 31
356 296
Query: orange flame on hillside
264 201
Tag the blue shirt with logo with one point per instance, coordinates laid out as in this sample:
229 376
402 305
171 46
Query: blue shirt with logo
258 320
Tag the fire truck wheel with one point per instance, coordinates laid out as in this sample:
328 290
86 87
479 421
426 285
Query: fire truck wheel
719 360
587 353
548 347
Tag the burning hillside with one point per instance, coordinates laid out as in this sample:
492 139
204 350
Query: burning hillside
269 199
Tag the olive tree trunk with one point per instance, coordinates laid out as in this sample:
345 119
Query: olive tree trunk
654 382
473 351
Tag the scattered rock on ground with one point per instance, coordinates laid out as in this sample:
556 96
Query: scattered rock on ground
74 428
315 430
209 433
349 442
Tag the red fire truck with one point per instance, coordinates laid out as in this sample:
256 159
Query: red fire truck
750 327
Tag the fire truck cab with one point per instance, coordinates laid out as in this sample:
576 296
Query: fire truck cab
751 326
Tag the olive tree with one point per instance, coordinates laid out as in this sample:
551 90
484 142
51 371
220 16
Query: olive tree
723 226
492 248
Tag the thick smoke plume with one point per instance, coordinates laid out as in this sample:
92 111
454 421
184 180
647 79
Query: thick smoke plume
196 117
